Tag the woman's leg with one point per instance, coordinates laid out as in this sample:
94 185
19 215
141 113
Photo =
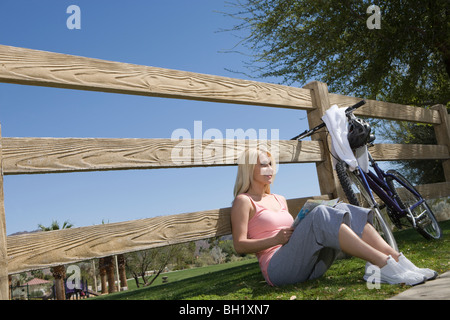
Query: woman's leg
311 249
373 238
361 225
353 245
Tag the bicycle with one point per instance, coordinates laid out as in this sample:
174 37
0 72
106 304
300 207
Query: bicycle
402 201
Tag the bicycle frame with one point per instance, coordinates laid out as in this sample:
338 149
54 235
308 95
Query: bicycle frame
377 182
380 183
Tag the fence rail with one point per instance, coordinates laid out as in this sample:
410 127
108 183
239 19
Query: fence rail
387 110
57 155
41 68
43 249
45 155
54 155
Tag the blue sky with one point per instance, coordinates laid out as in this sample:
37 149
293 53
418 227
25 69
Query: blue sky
174 34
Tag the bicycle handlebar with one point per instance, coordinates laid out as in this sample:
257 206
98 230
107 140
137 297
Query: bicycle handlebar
355 106
307 133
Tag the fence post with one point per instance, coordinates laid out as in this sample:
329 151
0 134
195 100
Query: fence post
328 181
4 281
442 132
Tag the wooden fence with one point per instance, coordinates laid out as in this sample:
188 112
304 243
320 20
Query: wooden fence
52 155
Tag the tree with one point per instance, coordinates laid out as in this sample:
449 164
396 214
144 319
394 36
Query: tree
137 263
122 272
157 259
58 272
102 266
109 266
406 60
55 226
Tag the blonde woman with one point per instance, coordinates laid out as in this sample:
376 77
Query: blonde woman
261 224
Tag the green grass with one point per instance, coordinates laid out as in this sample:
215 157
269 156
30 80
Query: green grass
243 280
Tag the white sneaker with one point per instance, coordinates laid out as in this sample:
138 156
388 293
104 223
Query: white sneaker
393 273
408 265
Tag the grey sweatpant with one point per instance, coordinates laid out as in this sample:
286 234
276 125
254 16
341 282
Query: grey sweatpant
314 244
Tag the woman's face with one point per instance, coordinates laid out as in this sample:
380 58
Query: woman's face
263 171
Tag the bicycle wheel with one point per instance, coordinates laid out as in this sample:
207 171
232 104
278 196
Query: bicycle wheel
357 195
421 217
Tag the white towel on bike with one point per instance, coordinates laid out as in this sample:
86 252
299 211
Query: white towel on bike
337 125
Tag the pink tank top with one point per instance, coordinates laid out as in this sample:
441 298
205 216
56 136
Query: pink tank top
264 224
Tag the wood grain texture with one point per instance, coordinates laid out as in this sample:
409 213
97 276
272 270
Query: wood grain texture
442 133
41 68
4 288
328 180
387 110
50 155
57 155
67 246
43 249
392 152
435 190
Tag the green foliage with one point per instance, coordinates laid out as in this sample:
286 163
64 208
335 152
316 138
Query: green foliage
55 226
157 259
406 61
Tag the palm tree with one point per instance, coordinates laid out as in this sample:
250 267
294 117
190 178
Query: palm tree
121 261
58 272
55 226
106 271
102 271
109 264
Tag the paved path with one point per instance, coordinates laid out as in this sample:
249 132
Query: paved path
437 289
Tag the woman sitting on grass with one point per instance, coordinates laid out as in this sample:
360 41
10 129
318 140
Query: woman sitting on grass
261 224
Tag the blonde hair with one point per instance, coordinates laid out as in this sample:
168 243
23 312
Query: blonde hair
246 165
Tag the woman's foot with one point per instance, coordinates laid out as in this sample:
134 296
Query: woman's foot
394 273
408 265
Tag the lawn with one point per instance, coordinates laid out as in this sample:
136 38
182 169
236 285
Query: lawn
242 280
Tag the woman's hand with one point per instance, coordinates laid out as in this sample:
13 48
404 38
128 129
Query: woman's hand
283 236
